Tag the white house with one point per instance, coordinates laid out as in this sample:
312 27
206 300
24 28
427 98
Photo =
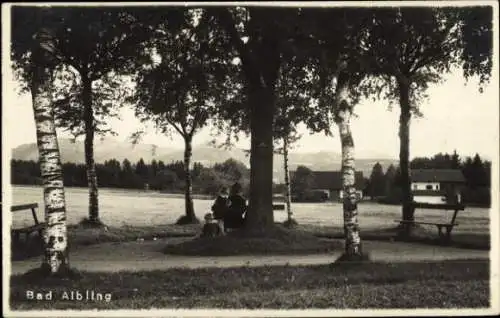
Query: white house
437 186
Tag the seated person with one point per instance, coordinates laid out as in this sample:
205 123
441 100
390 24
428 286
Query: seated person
221 206
237 207
211 228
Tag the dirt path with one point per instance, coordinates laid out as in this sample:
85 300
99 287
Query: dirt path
147 255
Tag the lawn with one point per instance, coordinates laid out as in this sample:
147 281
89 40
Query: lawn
305 239
141 208
118 207
132 215
84 236
137 216
447 284
276 240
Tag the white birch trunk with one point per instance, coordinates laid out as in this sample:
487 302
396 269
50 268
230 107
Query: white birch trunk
188 191
288 195
55 235
89 148
343 112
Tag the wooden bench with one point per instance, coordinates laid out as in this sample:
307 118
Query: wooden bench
443 235
37 227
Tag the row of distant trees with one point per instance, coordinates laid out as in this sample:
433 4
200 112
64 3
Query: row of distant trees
156 175
170 177
476 171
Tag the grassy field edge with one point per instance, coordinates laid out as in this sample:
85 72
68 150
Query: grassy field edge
445 284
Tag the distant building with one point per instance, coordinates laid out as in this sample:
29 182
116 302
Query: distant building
330 183
436 185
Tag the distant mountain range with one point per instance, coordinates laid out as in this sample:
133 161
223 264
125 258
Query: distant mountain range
112 149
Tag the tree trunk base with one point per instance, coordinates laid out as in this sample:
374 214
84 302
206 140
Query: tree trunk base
187 219
353 258
290 223
43 273
92 223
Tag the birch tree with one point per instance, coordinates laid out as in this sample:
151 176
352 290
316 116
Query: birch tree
343 110
292 102
287 141
43 59
338 75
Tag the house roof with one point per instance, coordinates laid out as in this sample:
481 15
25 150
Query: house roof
332 180
437 175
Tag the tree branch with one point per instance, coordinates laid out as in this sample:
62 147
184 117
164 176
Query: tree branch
174 124
412 54
427 58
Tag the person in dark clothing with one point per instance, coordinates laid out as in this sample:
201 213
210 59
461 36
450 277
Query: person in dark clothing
211 228
221 207
237 208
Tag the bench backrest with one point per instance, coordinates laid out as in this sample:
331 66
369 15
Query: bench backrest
446 206
23 207
30 206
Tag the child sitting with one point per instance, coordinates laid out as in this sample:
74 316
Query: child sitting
211 228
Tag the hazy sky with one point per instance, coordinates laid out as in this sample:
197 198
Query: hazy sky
456 116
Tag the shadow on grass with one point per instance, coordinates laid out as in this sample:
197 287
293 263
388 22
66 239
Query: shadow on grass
84 235
420 234
42 275
187 220
272 240
301 239
346 260
87 223
26 247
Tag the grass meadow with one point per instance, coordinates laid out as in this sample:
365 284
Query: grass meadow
447 284
140 208
132 214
